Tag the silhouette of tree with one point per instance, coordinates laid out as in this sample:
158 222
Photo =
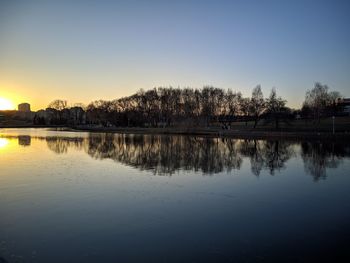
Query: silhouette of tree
58 105
318 99
244 104
275 108
257 104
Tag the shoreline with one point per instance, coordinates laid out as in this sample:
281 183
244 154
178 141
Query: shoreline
238 134
210 132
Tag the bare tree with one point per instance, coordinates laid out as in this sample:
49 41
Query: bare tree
232 103
80 105
318 99
244 104
257 104
275 107
58 105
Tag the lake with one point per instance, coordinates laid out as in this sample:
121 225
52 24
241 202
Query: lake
96 197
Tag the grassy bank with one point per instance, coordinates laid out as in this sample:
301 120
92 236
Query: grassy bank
242 134
298 129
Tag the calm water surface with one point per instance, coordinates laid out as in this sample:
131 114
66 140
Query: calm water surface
94 197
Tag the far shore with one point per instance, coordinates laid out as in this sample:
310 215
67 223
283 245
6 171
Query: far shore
202 131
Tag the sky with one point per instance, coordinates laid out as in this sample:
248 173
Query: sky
86 50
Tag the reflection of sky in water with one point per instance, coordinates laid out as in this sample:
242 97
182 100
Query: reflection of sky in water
93 198
166 155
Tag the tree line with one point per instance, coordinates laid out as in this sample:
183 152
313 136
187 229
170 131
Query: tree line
167 106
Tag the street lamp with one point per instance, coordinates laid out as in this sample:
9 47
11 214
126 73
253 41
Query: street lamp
333 124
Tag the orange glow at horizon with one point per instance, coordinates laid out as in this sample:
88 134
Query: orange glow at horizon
6 104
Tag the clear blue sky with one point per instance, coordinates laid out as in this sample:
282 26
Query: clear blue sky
86 50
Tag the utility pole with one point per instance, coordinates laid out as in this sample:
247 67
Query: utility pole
333 124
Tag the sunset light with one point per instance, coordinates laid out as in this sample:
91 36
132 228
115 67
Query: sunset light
180 131
6 104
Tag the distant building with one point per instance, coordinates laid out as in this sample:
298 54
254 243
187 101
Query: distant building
24 113
24 107
345 105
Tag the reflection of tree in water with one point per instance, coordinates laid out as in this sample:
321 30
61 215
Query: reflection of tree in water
252 149
60 145
24 140
277 153
320 156
101 147
271 155
165 155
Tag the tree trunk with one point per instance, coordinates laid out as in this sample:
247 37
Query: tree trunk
256 122
277 122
